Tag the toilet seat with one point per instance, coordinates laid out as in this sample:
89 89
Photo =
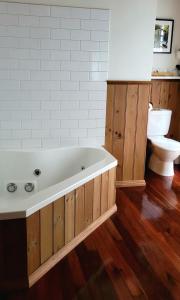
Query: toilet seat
165 143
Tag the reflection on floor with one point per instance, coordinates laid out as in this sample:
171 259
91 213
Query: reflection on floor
134 255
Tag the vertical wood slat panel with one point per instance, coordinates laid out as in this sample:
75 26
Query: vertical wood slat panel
169 98
111 188
88 207
69 217
141 132
109 117
155 93
79 210
33 242
130 131
119 125
59 224
119 110
118 149
97 198
164 97
46 232
174 96
177 131
104 192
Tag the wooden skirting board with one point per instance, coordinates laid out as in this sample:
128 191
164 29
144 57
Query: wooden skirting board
130 183
52 261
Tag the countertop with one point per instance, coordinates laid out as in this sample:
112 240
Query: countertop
166 77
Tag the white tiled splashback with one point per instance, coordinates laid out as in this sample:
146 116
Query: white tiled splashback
53 71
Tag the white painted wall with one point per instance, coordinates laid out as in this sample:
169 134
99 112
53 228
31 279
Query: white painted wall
168 9
132 34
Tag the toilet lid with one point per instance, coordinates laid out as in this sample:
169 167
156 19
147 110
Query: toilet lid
166 143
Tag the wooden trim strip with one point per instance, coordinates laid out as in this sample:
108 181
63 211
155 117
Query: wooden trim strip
166 80
128 82
52 261
130 183
140 82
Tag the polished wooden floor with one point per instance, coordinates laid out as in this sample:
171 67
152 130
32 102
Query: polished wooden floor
134 255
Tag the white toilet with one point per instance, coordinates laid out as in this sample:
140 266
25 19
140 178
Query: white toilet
164 150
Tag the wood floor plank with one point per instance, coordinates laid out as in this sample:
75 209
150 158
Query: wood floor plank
151 284
96 276
159 254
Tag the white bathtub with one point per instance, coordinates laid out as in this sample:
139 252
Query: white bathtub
61 173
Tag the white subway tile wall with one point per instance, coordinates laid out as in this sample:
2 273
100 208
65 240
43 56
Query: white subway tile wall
53 72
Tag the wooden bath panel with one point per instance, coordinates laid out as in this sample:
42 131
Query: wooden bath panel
55 225
30 247
59 223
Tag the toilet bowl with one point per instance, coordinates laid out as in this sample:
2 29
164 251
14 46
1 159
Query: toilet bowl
164 150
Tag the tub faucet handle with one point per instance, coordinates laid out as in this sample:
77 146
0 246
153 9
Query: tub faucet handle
29 187
11 187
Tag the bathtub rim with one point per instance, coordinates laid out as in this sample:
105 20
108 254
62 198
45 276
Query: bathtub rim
48 195
32 150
